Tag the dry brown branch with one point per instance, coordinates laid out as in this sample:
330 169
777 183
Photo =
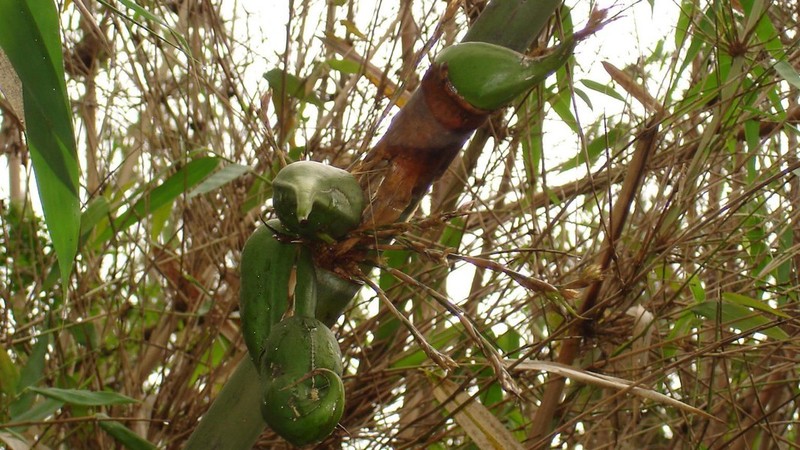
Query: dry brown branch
589 309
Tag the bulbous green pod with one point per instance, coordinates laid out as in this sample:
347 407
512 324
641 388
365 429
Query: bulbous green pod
297 345
303 411
303 394
316 200
266 289
489 76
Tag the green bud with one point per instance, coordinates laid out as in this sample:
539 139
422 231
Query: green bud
316 200
489 76
302 389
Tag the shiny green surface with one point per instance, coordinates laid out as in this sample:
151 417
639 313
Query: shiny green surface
266 266
333 295
316 200
303 393
489 76
298 345
306 411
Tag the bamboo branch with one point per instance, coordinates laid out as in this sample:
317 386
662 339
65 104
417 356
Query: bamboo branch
590 308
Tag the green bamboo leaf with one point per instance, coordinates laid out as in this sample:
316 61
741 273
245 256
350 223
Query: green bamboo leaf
584 97
657 54
213 358
750 302
680 328
787 72
765 31
344 65
753 139
39 411
397 259
30 375
531 135
739 317
684 21
83 397
562 105
158 220
84 333
95 211
757 242
294 87
603 89
785 271
453 233
181 181
138 10
123 434
219 179
509 342
415 357
698 38
259 192
29 36
352 28
492 395
697 289
9 376
594 149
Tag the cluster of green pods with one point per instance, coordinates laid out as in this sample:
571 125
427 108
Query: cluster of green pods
316 200
286 301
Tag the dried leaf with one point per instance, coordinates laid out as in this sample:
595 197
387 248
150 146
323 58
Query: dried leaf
606 381
13 441
483 427
638 91
11 87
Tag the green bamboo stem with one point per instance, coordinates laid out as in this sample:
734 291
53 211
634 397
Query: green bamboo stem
233 422
512 24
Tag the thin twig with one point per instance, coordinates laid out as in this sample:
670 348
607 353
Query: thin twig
488 349
445 362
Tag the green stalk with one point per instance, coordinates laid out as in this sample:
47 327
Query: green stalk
512 24
234 420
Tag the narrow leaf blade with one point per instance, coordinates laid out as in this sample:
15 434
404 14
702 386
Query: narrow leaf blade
740 317
51 138
181 181
83 397
219 178
123 434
